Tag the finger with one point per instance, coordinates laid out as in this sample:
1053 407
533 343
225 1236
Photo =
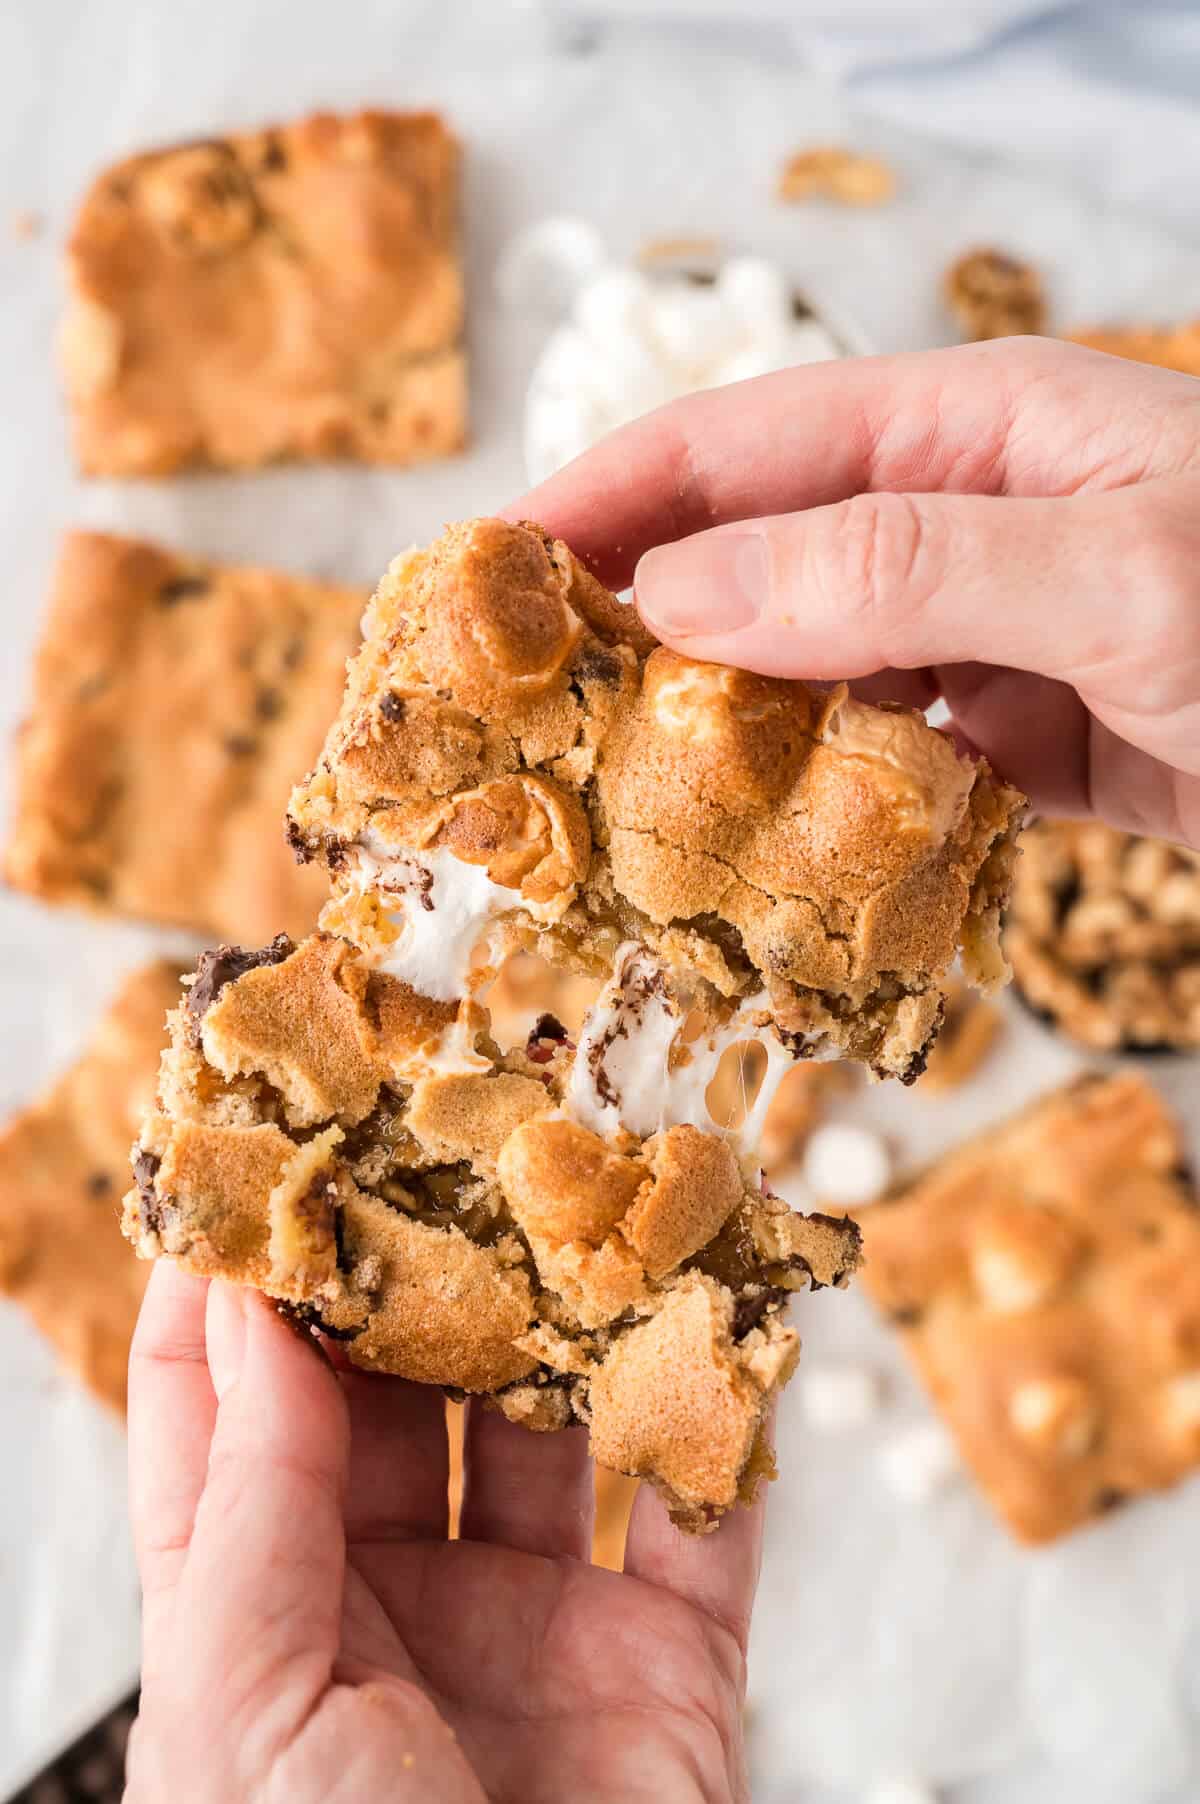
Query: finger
172 1408
262 1591
1074 589
399 1461
1032 728
524 1490
1020 416
717 1573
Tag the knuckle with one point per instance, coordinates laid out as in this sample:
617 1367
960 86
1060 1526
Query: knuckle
880 563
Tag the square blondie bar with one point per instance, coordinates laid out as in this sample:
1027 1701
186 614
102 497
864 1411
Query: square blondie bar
288 293
64 1163
174 703
1045 1280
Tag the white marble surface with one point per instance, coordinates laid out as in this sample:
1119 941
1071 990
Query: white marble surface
954 1658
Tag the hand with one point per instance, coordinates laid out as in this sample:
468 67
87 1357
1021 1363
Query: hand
1014 526
311 1635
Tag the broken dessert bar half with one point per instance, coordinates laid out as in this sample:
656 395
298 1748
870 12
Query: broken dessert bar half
288 293
1045 1279
517 761
366 1155
174 704
64 1162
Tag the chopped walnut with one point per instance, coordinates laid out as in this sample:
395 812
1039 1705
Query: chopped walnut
993 295
831 172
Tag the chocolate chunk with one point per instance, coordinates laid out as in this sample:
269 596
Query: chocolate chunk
100 1184
296 840
145 1170
391 705
225 964
1110 1498
274 157
268 704
749 1310
548 1027
241 745
907 1316
598 666
303 1315
292 652
183 588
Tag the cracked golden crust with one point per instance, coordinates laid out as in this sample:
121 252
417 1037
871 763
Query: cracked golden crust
1044 1279
294 292
162 679
372 1160
1104 936
753 832
65 1162
680 1402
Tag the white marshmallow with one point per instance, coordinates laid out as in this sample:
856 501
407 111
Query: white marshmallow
542 269
694 330
845 1164
613 305
558 427
834 1397
627 1040
567 364
634 343
919 1462
756 292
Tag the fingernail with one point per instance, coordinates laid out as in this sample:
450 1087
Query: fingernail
225 1335
715 583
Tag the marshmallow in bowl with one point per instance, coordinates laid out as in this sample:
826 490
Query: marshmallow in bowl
541 269
634 342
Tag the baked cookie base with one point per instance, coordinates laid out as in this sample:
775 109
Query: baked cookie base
370 1158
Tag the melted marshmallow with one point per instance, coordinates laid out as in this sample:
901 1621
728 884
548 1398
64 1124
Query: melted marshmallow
442 906
622 1076
933 783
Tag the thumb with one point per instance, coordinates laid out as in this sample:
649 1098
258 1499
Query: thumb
262 1591
889 581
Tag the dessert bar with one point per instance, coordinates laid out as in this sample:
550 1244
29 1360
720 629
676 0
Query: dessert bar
1045 1280
174 703
517 762
366 1155
64 1163
294 292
